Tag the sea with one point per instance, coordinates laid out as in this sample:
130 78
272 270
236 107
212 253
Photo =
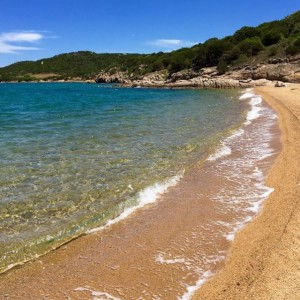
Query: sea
76 158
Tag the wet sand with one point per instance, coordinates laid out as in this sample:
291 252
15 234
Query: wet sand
161 250
265 257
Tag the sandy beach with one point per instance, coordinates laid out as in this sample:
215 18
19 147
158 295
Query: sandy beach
158 252
265 256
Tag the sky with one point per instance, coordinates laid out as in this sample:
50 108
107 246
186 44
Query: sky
36 29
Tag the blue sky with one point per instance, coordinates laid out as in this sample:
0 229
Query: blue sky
35 29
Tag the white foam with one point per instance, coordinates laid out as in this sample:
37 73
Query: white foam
146 196
253 113
224 150
274 116
246 95
160 259
193 288
231 235
97 295
235 134
255 100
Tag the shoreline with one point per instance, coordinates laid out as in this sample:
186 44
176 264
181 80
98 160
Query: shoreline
47 261
176 255
265 255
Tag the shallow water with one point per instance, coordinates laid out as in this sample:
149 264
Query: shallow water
73 156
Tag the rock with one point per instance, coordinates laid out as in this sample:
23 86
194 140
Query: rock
279 69
185 75
208 71
117 77
279 84
245 80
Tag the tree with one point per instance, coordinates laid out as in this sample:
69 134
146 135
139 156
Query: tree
251 47
222 67
245 32
294 48
271 38
231 54
215 50
200 59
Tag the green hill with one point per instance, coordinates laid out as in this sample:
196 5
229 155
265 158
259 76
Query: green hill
249 45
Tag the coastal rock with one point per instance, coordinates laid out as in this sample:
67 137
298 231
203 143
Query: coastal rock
155 76
279 69
117 77
204 82
285 72
184 75
209 71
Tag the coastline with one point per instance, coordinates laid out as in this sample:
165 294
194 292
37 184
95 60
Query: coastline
283 70
265 255
61 256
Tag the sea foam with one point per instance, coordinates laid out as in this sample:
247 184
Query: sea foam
162 260
97 295
147 196
223 150
193 288
254 102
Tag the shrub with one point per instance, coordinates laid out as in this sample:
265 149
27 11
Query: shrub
240 60
297 43
215 50
222 67
200 59
294 48
251 47
273 50
271 38
231 54
245 32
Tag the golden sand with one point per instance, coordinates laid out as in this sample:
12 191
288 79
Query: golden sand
265 257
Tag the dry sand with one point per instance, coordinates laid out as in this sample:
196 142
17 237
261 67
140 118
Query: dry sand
265 256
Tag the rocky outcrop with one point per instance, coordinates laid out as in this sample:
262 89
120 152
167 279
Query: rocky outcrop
282 70
114 77
285 72
200 82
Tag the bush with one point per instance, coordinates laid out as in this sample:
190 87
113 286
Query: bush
231 55
271 38
215 50
294 48
251 47
200 59
297 43
273 50
241 60
245 32
222 67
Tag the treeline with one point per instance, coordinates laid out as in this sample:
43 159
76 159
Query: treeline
273 39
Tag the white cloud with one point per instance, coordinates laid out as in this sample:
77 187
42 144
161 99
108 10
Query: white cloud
169 43
12 42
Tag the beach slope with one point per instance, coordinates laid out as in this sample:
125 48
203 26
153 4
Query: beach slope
265 257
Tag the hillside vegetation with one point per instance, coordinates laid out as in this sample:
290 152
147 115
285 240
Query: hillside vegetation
247 45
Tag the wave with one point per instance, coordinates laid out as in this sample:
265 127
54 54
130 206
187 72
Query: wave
221 151
147 196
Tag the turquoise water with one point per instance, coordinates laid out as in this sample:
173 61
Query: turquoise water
75 155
